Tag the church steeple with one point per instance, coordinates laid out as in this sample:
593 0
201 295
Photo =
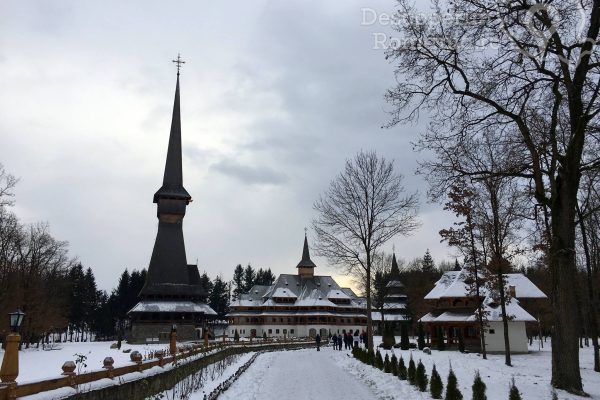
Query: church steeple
395 271
306 266
172 186
169 275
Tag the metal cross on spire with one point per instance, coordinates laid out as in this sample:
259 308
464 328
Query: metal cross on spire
179 61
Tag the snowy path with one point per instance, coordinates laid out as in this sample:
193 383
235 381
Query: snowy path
300 374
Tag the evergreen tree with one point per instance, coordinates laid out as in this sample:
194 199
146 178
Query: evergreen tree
402 371
421 336
412 371
456 265
436 386
236 336
249 278
421 377
514 392
388 339
205 282
478 388
238 281
404 342
394 364
378 360
427 264
441 346
452 391
371 357
264 335
219 297
387 368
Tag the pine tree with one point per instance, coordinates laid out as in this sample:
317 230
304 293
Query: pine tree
478 388
378 360
249 278
238 281
421 377
436 386
421 336
441 346
264 335
514 392
412 371
428 265
388 339
402 372
404 342
236 336
394 364
452 391
387 367
218 298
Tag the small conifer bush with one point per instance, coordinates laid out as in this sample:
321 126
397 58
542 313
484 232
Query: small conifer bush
402 372
478 388
404 342
370 357
421 377
452 391
435 385
378 360
236 336
387 367
514 393
412 371
394 365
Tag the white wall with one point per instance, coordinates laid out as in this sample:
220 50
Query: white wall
299 330
516 335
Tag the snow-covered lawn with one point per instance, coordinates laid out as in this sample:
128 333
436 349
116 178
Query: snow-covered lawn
36 364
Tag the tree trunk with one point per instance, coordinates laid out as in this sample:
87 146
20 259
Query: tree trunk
565 351
593 322
507 360
369 319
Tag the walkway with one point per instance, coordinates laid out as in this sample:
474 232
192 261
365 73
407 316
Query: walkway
300 374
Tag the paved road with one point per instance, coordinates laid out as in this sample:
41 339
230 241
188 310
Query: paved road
301 374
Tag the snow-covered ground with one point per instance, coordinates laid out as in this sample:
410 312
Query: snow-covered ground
333 374
329 374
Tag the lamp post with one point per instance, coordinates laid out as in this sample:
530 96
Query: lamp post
10 363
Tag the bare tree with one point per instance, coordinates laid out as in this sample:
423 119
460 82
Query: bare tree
530 70
363 208
7 183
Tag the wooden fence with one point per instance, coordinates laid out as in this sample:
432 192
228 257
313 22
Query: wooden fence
70 378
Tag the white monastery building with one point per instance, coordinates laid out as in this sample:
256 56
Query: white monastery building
299 305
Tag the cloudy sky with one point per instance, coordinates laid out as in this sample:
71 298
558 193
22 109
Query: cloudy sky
275 96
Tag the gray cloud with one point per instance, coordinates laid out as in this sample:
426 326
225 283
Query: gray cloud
251 175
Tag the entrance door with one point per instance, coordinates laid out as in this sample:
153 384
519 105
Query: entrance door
312 332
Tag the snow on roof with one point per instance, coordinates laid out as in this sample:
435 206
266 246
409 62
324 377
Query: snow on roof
172 306
314 298
337 294
494 313
283 292
376 315
452 284
395 283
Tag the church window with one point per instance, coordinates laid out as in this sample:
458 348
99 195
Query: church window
276 331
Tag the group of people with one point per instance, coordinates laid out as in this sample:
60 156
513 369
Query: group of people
347 338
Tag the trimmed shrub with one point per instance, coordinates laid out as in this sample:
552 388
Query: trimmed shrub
388 339
421 336
394 365
265 335
236 336
478 388
404 342
371 357
387 367
421 377
452 391
514 392
378 360
402 372
412 371
436 387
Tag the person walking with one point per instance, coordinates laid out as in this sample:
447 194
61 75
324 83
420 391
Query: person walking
334 341
318 340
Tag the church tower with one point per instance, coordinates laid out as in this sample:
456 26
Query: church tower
172 293
306 268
